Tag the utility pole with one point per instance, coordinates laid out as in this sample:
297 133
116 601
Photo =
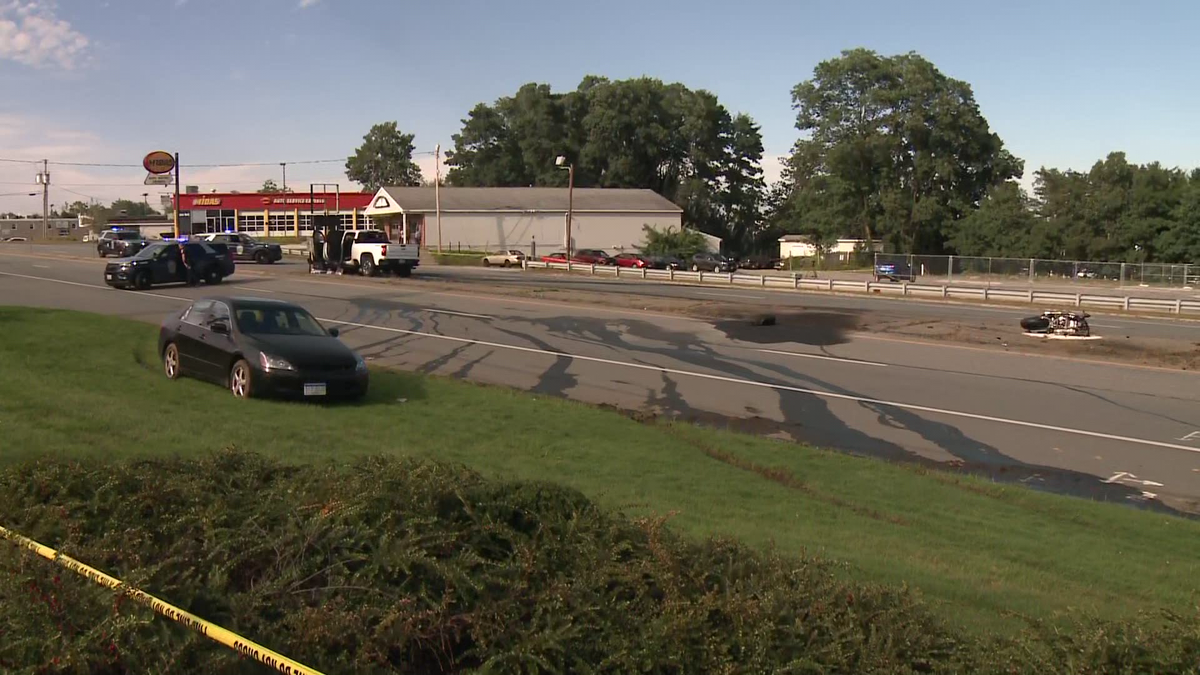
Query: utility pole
437 195
44 179
284 165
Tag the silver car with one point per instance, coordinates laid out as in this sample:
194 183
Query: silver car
507 258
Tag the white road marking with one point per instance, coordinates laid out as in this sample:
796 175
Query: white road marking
1194 436
777 387
42 267
823 358
731 295
446 311
703 376
95 286
1126 477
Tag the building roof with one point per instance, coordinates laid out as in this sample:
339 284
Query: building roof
468 199
803 238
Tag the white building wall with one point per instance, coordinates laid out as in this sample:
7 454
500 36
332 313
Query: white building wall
613 232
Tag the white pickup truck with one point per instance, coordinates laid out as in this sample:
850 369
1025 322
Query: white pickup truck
370 252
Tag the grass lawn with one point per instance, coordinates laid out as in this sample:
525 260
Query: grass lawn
91 386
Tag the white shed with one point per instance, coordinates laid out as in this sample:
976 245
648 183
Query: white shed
529 219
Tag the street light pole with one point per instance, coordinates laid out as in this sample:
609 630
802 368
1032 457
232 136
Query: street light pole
284 166
559 162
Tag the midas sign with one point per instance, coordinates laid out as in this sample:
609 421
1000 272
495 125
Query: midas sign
159 162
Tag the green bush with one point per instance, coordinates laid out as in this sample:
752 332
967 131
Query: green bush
415 566
401 565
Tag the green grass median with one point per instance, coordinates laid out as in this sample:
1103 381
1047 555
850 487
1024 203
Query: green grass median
78 385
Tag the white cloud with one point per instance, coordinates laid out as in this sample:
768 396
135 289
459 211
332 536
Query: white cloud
308 3
31 33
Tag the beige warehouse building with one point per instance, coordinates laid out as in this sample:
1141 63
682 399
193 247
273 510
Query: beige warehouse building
532 220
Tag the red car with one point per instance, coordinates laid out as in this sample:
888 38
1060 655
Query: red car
592 256
633 260
559 257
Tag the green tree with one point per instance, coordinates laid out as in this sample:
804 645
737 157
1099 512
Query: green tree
892 150
384 158
269 186
1001 226
683 242
131 208
637 133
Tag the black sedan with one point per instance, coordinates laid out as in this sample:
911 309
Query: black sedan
260 347
162 263
247 248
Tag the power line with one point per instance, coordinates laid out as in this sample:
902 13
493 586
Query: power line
59 186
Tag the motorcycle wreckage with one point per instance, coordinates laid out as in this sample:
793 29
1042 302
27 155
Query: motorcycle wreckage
1058 323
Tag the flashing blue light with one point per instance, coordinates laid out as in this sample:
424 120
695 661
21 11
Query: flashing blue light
115 228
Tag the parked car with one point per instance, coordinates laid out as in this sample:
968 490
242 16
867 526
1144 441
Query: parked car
14 240
371 252
633 260
260 347
593 256
507 258
761 262
557 257
161 263
120 243
667 262
712 262
247 248
898 270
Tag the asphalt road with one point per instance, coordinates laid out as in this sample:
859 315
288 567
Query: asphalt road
1048 423
1151 327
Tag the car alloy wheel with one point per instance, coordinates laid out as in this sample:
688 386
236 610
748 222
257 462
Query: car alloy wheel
212 277
239 379
260 257
142 280
171 361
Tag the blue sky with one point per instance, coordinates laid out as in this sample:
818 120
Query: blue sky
227 81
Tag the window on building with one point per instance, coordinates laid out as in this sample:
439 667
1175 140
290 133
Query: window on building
282 224
250 222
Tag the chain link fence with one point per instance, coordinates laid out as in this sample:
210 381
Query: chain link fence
952 268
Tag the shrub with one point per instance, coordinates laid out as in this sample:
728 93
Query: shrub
414 566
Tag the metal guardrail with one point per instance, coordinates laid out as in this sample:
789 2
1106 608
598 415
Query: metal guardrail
1177 306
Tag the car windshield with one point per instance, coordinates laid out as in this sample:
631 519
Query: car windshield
277 320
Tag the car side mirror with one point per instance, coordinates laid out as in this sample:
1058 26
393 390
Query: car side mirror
334 332
219 327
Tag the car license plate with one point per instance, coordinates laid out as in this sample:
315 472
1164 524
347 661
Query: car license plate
108 276
317 389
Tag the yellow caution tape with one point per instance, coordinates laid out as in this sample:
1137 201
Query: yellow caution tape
212 631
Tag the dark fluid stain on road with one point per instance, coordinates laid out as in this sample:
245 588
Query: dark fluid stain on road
808 328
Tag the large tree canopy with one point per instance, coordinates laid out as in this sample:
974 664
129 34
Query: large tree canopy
637 133
891 150
384 158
